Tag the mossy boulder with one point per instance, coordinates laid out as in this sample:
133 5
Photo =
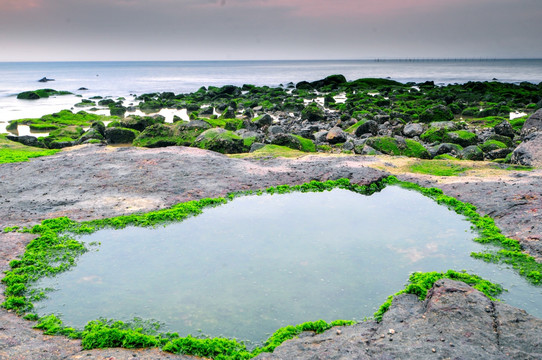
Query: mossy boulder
28 95
454 150
288 140
139 123
437 113
73 132
118 135
221 140
398 146
25 140
472 152
461 137
157 135
90 134
504 129
491 145
366 127
313 112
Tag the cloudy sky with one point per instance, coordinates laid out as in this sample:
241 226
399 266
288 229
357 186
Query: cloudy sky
52 30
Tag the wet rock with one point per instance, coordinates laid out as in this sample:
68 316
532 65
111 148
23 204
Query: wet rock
498 154
445 148
287 140
275 129
90 134
220 140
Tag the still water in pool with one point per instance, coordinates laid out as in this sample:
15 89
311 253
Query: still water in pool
258 263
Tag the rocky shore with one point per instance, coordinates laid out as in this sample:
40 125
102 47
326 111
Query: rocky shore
93 181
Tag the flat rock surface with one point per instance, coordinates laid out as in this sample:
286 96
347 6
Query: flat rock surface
92 182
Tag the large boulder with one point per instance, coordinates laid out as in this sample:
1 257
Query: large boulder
287 140
25 140
532 124
220 140
504 129
313 112
446 148
398 146
529 152
472 152
116 135
461 137
139 123
157 135
262 120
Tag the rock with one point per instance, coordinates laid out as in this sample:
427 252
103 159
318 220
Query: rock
208 110
472 152
275 129
82 89
336 135
229 113
195 124
45 79
532 124
367 127
287 140
90 134
529 152
28 95
308 131
157 135
348 146
398 146
256 146
320 136
220 140
116 135
313 113
460 137
381 119
445 148
262 120
140 123
437 113
498 154
504 129
454 322
413 129
98 126
25 140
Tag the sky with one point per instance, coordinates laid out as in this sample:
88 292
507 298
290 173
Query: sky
108 30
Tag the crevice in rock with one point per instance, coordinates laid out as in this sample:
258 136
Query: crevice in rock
496 329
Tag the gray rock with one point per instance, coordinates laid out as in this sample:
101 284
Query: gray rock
454 322
194 124
348 146
287 140
498 154
532 124
445 148
88 135
275 129
256 146
262 120
336 135
381 119
413 129
529 152
320 136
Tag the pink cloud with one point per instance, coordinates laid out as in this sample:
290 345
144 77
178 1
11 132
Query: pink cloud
19 5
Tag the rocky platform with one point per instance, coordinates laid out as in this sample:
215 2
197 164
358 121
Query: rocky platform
93 182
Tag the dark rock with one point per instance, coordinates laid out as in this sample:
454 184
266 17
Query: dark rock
28 95
287 140
25 140
89 135
381 119
461 137
504 129
98 126
320 136
413 129
229 113
220 140
498 154
256 146
45 79
504 139
313 112
454 322
368 127
60 144
82 89
195 125
208 110
336 135
116 135
262 120
472 152
308 131
139 123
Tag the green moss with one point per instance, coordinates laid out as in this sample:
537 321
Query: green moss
492 145
392 146
445 157
433 135
517 123
39 94
228 124
437 168
271 151
488 121
11 152
307 145
461 137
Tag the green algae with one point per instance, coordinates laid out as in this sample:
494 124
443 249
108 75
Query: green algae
444 167
11 151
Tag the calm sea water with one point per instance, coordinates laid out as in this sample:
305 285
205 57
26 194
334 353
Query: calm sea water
124 78
258 263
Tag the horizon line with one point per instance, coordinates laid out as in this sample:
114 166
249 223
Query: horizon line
402 59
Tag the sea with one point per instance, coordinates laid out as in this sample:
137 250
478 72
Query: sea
129 78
